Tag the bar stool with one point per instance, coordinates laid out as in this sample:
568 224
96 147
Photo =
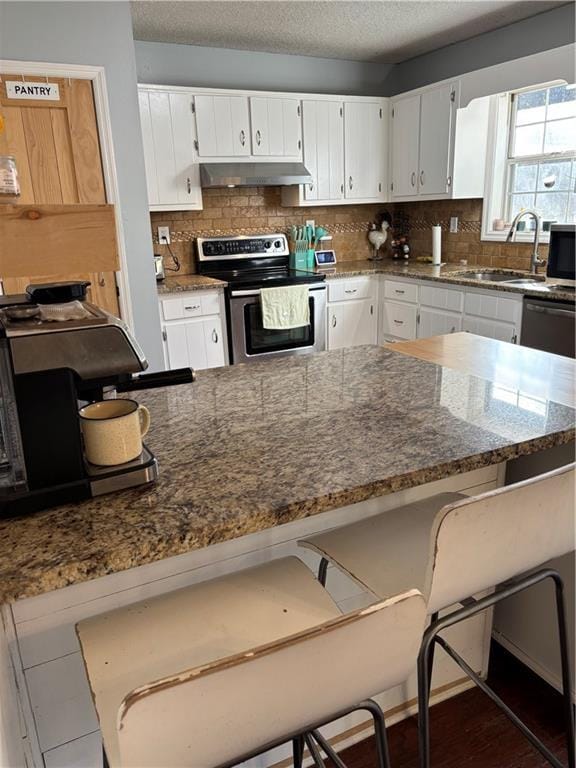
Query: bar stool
216 673
451 547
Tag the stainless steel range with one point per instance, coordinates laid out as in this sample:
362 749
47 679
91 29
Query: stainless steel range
249 263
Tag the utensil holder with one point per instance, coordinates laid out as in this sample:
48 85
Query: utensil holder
310 260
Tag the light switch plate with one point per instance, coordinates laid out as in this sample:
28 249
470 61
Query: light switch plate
164 235
453 223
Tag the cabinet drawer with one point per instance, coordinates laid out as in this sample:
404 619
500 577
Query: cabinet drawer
355 288
441 298
494 307
194 305
399 320
394 289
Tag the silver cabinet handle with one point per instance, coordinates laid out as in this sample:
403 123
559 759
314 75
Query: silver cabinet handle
396 290
350 182
242 138
299 144
422 178
413 178
342 188
399 322
258 138
379 186
192 308
514 338
311 187
453 329
350 290
215 336
371 309
333 321
189 185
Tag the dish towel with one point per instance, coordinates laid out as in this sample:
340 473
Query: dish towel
285 307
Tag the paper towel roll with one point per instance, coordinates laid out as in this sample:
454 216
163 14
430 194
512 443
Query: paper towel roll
436 245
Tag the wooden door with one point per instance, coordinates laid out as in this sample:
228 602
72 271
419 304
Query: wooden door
436 127
57 153
405 137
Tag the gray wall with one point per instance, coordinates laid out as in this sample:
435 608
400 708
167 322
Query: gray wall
100 33
538 33
167 64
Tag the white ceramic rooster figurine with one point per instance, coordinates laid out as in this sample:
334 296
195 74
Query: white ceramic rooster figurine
378 237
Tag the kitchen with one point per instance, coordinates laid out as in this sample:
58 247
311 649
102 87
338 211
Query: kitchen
402 404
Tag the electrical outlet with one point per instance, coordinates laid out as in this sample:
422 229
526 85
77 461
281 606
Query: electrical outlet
164 235
311 223
453 223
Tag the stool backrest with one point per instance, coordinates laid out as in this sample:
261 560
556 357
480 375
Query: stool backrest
487 539
214 715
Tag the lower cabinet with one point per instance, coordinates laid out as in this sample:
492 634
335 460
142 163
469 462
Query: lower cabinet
434 322
193 331
351 324
493 329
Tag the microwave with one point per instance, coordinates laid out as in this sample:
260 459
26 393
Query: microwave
561 254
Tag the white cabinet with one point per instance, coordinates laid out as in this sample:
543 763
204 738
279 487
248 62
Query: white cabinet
168 134
493 329
345 150
364 150
404 154
193 331
398 321
351 324
435 295
423 142
435 322
323 138
276 127
351 312
493 314
223 125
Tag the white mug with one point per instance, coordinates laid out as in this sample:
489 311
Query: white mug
113 431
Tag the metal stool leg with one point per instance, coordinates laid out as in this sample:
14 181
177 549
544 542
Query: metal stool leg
424 666
105 763
298 751
379 732
314 751
322 571
566 676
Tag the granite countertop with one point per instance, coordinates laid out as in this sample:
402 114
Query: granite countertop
448 273
249 447
181 283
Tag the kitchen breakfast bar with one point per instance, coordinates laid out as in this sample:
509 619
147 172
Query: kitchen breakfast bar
253 458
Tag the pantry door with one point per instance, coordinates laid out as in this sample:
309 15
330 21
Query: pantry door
58 158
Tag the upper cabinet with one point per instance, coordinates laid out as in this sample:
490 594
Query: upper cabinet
223 125
432 143
169 135
345 151
276 127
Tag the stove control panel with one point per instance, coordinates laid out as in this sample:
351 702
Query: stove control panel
241 246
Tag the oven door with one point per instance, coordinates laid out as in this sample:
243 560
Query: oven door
251 341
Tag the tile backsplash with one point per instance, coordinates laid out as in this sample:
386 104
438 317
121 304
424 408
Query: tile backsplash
255 210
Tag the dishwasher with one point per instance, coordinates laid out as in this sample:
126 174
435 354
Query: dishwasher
549 325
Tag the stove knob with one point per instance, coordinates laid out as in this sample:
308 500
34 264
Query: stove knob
278 244
219 248
267 244
208 249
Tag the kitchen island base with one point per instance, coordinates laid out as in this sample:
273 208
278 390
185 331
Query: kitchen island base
57 722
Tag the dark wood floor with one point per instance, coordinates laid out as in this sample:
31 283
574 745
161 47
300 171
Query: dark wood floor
469 731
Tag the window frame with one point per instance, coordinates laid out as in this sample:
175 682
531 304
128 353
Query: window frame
500 162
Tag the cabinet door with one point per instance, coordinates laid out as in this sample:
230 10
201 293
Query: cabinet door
176 346
214 343
493 329
148 142
292 127
323 131
363 150
260 124
405 136
351 324
436 123
163 146
187 177
434 322
222 123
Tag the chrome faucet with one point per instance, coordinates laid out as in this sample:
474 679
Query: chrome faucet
535 260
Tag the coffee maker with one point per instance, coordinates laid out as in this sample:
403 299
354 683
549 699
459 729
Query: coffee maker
58 352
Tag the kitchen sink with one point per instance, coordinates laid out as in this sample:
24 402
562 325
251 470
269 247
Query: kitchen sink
526 281
498 277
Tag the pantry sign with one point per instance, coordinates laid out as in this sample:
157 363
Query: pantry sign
20 89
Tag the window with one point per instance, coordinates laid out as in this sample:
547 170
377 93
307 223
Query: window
534 159
542 152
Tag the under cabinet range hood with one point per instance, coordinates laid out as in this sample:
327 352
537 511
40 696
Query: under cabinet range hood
253 174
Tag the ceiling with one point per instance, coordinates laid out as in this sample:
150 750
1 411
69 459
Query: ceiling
387 31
